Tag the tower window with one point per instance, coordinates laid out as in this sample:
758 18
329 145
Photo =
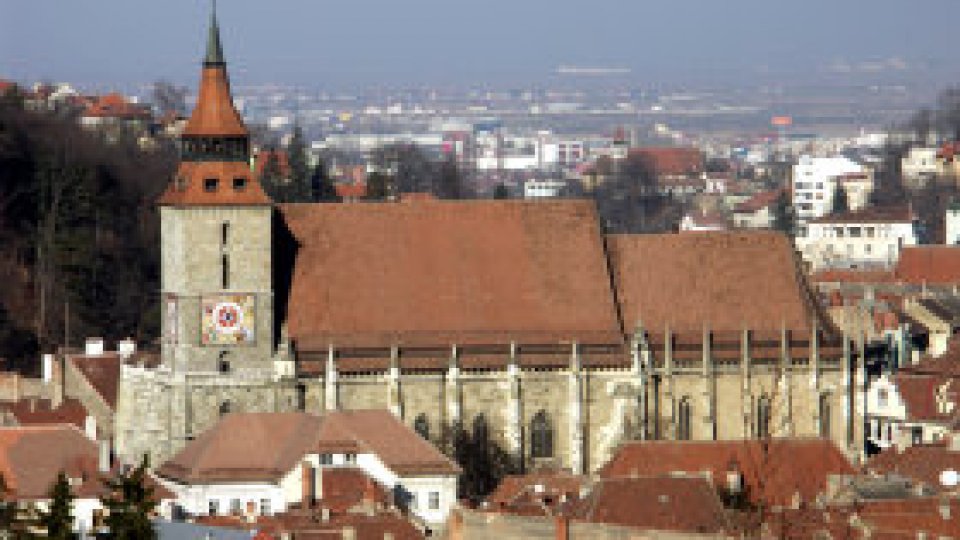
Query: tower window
224 233
683 419
422 426
301 397
225 408
210 185
223 362
541 436
225 271
239 183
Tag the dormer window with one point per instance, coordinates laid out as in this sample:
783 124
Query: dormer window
210 185
239 183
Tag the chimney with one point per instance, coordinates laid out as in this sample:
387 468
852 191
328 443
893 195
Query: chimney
562 528
47 368
325 514
103 461
127 348
90 427
94 347
33 404
308 485
58 381
944 508
349 533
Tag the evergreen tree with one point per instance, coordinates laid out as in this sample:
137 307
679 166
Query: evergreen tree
841 204
783 217
129 503
322 185
379 186
501 191
58 520
299 186
271 177
12 520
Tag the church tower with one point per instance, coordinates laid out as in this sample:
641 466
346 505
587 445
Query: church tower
216 234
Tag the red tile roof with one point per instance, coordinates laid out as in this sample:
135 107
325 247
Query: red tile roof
34 412
774 471
345 488
836 275
103 374
31 457
759 201
233 449
725 280
116 106
533 272
214 114
538 493
872 214
932 265
906 518
922 463
188 187
670 161
919 393
351 191
657 503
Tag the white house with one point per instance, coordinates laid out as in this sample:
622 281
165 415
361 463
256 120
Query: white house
871 238
909 409
254 464
702 222
537 189
814 182
757 212
31 458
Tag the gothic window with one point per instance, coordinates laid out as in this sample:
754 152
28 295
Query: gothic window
225 407
764 411
225 271
683 419
422 426
541 436
825 415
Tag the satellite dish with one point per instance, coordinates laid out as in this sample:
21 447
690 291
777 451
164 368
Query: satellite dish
949 478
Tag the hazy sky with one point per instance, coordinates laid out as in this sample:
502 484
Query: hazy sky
343 42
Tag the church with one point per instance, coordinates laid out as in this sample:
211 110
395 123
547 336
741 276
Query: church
520 321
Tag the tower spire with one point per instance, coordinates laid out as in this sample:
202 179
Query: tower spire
214 55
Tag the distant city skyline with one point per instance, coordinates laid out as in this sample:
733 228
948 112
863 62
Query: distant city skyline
364 42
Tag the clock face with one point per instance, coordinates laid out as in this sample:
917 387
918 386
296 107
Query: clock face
228 320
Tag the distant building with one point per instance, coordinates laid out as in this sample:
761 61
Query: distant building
919 165
757 212
870 238
536 189
702 222
951 224
814 182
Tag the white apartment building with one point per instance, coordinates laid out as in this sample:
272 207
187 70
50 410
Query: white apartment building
814 181
871 238
543 151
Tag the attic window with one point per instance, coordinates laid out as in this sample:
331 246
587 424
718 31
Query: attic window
239 183
210 185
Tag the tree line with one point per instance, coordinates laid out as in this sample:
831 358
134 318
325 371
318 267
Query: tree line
79 233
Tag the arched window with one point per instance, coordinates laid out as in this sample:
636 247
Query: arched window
541 436
422 426
825 415
225 407
764 412
683 419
